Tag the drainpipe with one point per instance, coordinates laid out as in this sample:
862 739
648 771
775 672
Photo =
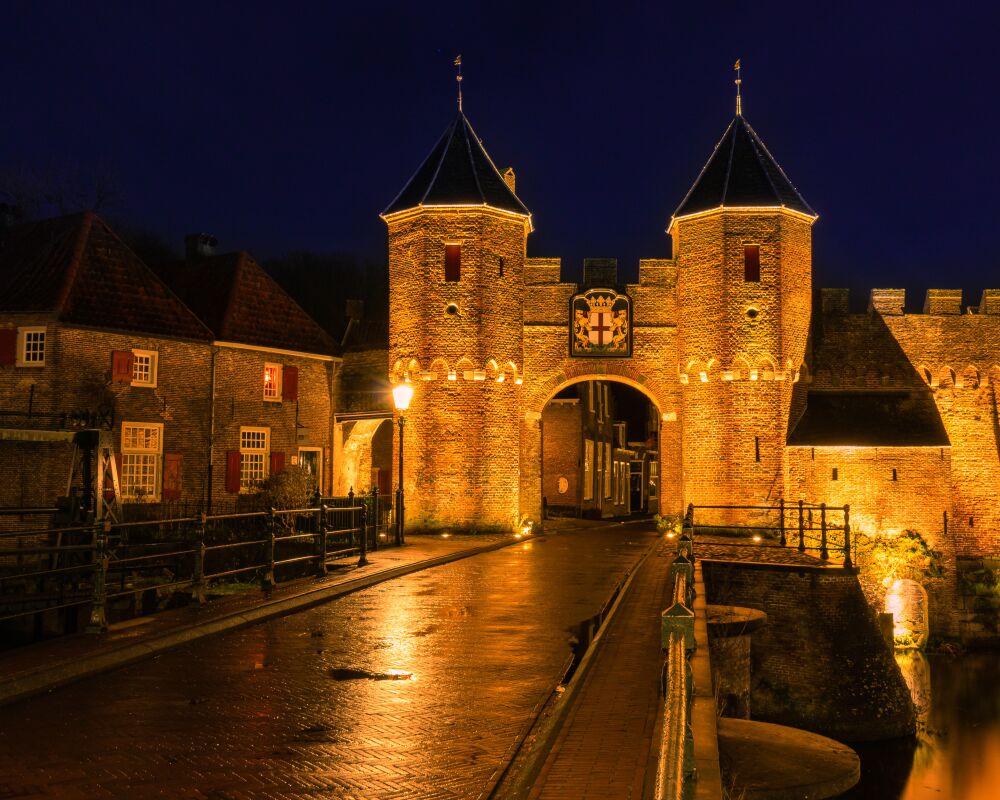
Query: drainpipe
211 436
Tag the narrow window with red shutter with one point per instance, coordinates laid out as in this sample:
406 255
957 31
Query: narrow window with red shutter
8 347
290 383
277 463
172 466
121 366
233 471
452 262
751 263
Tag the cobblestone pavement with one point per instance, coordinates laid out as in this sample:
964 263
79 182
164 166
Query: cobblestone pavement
285 709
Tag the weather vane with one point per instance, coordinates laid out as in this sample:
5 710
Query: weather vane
458 79
739 103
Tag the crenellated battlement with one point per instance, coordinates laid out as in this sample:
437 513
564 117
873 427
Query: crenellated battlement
835 302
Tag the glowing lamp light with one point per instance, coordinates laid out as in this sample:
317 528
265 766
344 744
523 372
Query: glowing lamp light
402 393
756 538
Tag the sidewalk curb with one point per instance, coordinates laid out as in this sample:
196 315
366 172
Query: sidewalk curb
52 677
516 778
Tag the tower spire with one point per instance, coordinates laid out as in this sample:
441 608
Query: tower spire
739 102
458 79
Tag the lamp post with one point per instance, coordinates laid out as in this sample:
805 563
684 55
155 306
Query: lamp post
401 395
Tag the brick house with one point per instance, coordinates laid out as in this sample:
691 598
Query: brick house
91 338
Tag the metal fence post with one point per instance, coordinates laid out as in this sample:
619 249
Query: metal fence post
321 542
823 552
267 580
98 622
847 537
375 517
781 523
361 522
198 579
802 529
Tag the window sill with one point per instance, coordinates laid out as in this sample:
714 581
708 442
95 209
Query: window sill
272 400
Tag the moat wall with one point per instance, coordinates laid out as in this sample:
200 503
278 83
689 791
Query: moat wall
820 663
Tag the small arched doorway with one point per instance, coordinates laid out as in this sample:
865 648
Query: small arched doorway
906 600
365 457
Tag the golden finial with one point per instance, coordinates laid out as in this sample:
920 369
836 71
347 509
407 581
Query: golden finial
739 103
458 79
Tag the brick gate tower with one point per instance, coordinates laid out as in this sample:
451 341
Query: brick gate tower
743 243
457 239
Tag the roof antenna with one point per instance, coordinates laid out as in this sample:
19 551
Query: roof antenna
458 79
739 102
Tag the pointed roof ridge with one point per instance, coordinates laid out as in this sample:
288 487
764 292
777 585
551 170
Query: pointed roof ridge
741 173
457 172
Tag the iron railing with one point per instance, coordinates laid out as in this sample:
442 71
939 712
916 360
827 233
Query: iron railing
58 568
815 527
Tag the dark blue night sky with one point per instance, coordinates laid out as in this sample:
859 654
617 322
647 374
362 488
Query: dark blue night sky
290 126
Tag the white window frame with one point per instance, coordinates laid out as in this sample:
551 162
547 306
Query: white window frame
275 395
154 359
319 461
138 460
252 475
588 469
607 470
22 345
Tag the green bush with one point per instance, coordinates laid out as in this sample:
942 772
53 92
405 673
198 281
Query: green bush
291 488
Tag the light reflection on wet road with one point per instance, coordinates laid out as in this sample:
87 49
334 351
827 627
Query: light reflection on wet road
262 712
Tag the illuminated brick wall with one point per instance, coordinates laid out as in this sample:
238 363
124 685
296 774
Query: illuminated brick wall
462 441
562 424
740 350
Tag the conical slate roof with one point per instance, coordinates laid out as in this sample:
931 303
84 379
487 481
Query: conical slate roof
458 172
741 173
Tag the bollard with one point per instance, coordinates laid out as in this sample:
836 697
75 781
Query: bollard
321 542
362 526
98 622
198 579
267 579
848 564
823 552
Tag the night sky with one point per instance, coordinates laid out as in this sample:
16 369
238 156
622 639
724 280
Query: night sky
286 128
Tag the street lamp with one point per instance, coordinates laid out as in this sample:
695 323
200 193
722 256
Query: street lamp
402 393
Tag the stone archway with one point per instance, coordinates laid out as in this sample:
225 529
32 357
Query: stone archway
541 391
365 454
906 600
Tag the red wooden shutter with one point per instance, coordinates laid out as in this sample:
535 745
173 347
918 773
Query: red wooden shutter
233 471
121 366
172 465
277 463
751 263
289 383
8 346
452 262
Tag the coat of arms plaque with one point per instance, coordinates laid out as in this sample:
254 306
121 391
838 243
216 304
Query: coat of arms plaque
600 324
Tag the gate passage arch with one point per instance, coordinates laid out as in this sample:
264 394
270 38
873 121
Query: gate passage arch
540 391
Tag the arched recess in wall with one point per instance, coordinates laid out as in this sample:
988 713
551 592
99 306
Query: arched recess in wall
906 600
366 457
927 375
970 377
946 378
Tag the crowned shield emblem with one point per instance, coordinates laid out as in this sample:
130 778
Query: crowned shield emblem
601 324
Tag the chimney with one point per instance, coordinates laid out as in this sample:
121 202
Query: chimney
199 245
509 178
355 312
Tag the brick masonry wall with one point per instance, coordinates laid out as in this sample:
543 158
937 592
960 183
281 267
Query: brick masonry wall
740 347
820 663
561 427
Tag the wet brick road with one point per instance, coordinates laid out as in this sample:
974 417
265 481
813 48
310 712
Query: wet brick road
264 713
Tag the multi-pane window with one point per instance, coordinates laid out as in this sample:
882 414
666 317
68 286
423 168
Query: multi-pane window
254 452
31 352
588 469
607 470
144 367
142 455
654 477
272 381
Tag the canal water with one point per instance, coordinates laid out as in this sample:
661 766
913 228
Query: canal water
956 753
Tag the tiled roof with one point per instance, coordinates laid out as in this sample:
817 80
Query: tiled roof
870 419
741 173
241 303
458 171
77 269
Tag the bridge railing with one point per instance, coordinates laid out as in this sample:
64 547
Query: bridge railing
59 568
675 773
817 527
